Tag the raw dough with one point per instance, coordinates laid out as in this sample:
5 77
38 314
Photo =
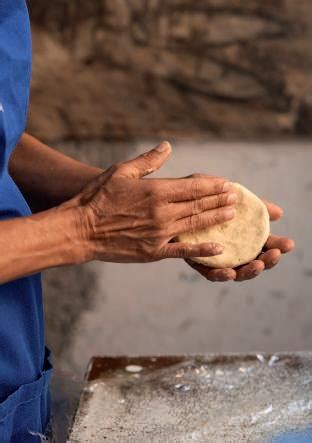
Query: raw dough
242 238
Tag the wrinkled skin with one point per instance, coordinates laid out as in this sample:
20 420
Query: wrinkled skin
125 218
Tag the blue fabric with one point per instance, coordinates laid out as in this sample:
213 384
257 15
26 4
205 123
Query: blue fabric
24 364
300 436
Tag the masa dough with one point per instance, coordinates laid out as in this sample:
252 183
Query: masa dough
242 238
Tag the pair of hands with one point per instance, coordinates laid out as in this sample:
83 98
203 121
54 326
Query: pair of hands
122 217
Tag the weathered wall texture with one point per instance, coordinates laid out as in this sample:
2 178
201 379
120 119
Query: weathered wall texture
127 68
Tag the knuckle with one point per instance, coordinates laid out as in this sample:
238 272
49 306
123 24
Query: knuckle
221 199
195 222
218 186
195 189
216 217
198 206
184 251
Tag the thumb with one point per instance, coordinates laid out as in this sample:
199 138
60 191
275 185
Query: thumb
146 163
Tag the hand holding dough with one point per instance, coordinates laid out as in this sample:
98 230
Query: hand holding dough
242 238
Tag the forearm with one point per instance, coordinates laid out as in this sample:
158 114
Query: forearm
44 240
45 176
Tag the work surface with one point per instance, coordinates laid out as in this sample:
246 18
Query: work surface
231 398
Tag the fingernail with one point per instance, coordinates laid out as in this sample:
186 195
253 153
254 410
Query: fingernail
229 213
163 147
232 198
226 187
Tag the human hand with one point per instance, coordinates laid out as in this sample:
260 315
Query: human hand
274 247
125 218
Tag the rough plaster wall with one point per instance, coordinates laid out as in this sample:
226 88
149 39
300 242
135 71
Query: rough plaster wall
119 69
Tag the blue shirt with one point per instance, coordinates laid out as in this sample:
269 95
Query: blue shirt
24 365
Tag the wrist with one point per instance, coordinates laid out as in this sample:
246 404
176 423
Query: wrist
76 246
87 174
41 241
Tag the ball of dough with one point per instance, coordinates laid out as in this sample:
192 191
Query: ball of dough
242 237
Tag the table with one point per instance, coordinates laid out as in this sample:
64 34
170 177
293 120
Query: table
204 398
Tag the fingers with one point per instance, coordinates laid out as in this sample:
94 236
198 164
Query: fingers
201 221
249 271
186 250
214 275
178 190
284 244
270 258
275 212
192 207
225 274
267 260
201 175
146 163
